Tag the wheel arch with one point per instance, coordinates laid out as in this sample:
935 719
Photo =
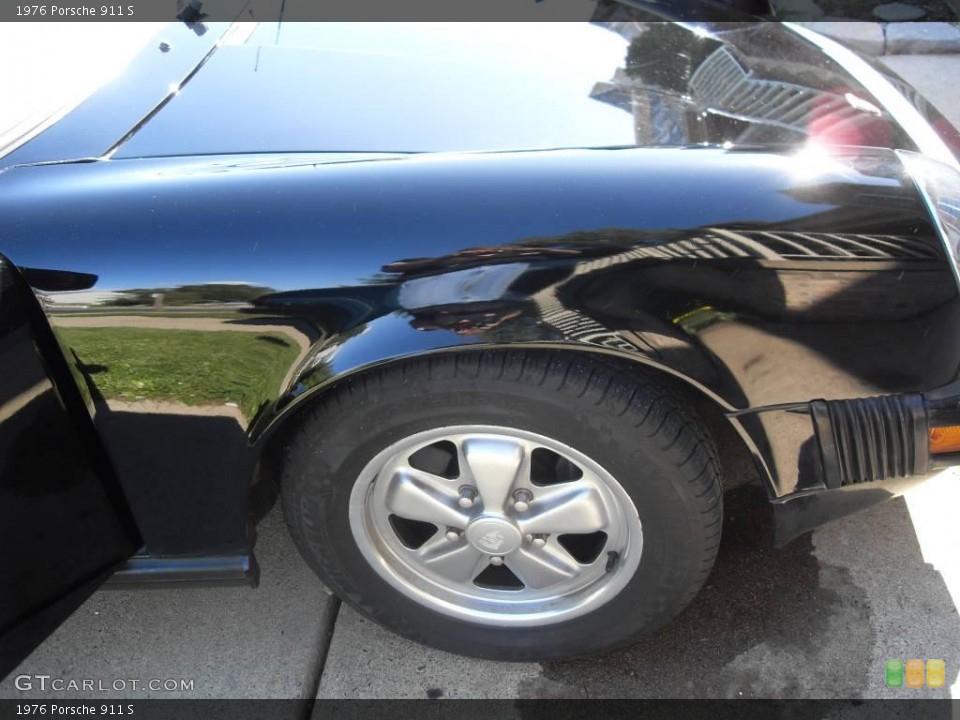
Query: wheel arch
740 458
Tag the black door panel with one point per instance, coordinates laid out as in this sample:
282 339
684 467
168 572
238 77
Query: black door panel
63 522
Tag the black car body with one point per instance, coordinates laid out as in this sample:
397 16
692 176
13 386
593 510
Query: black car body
757 217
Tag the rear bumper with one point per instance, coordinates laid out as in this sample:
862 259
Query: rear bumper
801 512
860 453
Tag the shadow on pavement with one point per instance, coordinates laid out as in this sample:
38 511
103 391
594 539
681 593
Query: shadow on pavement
769 623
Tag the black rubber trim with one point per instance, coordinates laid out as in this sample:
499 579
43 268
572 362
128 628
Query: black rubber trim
193 571
869 439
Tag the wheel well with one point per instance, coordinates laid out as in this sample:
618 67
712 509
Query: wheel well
738 464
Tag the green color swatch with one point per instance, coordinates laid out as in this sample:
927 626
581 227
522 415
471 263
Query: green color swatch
894 673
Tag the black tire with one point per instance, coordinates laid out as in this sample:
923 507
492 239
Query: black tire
658 449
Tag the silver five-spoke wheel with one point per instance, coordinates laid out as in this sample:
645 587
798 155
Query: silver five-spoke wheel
490 503
496 524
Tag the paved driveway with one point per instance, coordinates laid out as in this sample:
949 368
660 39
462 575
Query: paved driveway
815 619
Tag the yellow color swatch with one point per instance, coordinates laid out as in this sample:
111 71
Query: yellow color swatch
936 672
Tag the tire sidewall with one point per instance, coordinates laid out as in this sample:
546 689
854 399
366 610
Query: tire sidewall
324 474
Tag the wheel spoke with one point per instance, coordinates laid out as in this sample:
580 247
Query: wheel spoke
456 560
542 567
417 495
493 466
493 526
570 508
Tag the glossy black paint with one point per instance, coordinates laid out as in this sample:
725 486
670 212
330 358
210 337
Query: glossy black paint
63 520
99 121
722 268
509 89
690 84
232 289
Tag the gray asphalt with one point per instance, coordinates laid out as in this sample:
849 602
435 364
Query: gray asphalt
815 619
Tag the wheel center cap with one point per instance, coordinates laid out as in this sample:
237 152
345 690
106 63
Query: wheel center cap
494 536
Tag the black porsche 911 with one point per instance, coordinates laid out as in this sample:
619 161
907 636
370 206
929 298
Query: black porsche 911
496 312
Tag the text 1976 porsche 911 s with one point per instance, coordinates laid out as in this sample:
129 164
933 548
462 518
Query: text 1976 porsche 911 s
497 309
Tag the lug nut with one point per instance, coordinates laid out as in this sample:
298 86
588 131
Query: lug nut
539 541
452 535
496 560
467 495
521 500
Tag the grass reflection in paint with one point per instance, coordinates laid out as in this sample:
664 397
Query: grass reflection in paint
194 367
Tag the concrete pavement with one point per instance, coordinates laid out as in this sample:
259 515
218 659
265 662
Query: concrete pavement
933 76
233 642
906 38
817 619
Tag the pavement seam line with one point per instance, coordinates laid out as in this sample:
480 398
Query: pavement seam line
314 675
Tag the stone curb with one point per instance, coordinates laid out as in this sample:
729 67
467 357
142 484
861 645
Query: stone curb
901 38
922 39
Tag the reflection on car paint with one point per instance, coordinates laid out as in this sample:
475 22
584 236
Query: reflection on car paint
761 271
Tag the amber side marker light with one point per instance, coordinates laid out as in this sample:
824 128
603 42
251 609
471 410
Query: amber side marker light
945 439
